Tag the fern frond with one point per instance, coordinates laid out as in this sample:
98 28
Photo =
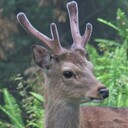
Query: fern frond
12 109
37 96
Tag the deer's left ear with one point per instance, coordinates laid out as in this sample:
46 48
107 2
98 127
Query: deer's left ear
41 56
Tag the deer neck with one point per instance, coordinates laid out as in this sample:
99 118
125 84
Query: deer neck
60 113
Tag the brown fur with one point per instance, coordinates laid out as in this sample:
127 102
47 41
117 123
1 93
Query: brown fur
104 117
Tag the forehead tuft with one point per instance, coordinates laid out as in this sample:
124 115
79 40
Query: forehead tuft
73 56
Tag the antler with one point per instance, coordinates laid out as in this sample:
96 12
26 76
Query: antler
79 41
53 44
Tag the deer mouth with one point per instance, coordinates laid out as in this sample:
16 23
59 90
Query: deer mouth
96 100
91 99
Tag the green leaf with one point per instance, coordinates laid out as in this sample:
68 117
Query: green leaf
37 96
108 23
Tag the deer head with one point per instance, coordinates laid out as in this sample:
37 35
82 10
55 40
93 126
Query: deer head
68 74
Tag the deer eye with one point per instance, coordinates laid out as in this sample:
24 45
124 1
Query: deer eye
68 74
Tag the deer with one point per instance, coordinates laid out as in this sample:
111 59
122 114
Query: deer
70 81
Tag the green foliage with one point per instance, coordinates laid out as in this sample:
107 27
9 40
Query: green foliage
108 23
5 124
112 66
30 109
32 104
12 110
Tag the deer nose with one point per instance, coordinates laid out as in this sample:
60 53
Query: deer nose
104 92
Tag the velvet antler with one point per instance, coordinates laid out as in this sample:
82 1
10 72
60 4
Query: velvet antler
79 41
53 44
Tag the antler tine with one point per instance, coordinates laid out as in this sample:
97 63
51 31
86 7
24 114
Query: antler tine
73 16
87 34
29 28
53 44
57 48
79 41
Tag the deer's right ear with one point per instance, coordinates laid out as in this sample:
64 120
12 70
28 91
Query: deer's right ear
41 56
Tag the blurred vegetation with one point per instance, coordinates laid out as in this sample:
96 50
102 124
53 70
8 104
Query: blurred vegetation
21 95
112 66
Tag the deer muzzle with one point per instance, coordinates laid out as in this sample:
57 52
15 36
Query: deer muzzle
97 94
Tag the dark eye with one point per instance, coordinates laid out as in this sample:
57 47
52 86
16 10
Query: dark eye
68 74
